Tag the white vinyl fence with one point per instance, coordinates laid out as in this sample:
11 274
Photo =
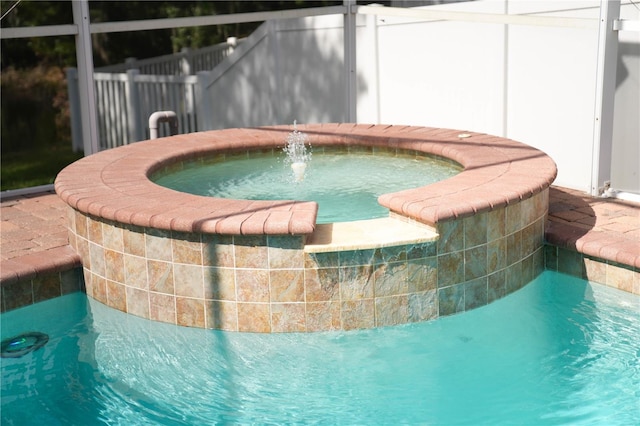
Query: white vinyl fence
125 102
186 62
127 94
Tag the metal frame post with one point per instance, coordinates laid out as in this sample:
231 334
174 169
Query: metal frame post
605 96
84 54
350 60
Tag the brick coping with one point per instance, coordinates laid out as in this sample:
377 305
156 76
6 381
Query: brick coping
114 185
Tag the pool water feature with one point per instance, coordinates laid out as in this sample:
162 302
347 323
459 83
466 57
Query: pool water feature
558 351
345 185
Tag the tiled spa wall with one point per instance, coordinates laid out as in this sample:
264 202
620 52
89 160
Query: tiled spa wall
484 257
611 274
269 284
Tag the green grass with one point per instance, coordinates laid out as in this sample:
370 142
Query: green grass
33 168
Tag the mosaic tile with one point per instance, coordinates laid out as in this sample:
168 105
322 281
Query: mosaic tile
286 285
450 300
528 211
88 281
135 272
83 252
116 296
496 286
551 257
538 262
321 260
113 237
513 221
158 245
450 269
357 314
322 284
527 270
495 225
71 281
389 255
595 270
160 277
219 284
46 287
288 317
221 315
475 293
531 239
619 277
390 279
422 306
94 231
81 225
162 307
420 251
475 230
496 255
96 254
186 248
285 252
451 236
252 285
99 289
475 262
356 282
114 265
133 242
570 262
251 252
254 317
422 275
17 295
190 312
323 316
217 250
188 280
513 277
514 247
356 257
391 310
137 302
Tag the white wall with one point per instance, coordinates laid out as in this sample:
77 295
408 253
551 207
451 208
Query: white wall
288 70
625 173
534 84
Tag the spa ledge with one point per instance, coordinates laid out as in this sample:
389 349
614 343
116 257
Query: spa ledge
367 234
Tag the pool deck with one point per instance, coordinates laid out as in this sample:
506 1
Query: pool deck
34 240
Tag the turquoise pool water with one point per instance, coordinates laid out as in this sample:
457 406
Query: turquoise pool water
559 351
345 186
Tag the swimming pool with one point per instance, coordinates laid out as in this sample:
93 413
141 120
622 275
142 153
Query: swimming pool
558 351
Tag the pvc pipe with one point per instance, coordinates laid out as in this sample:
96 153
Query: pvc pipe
162 117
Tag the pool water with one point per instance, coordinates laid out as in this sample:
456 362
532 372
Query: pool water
345 186
558 351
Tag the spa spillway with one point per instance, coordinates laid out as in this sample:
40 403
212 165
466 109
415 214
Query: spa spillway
266 266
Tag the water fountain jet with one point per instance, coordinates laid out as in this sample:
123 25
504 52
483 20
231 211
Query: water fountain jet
297 154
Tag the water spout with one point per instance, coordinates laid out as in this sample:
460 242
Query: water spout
297 153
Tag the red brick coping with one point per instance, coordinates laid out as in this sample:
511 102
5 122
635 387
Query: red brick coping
114 184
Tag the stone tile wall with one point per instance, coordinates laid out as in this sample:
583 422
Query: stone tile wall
270 284
612 274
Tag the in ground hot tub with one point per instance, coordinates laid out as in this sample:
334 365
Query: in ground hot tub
266 266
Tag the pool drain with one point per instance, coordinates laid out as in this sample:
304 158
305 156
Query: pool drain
18 346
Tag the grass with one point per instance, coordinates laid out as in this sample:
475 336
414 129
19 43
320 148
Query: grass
33 168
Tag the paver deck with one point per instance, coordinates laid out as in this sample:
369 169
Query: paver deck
33 234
